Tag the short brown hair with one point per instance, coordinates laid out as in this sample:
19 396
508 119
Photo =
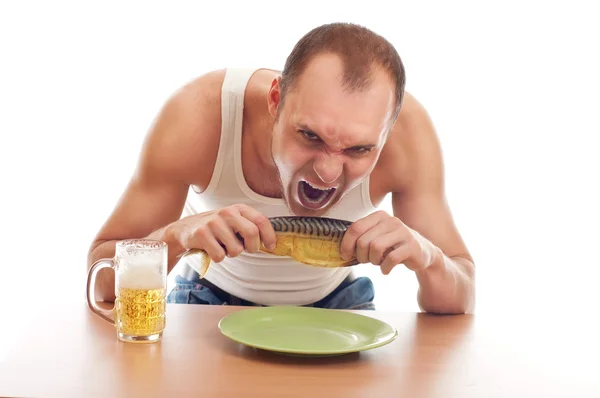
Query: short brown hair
358 47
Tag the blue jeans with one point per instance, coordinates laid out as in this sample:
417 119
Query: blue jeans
353 295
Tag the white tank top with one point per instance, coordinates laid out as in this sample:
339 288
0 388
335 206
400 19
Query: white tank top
262 278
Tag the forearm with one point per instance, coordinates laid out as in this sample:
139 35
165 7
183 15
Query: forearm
447 286
105 281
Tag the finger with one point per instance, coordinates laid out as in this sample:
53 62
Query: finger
226 236
382 245
247 230
365 241
355 231
265 228
395 257
385 226
204 239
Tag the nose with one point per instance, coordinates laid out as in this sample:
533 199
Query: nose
328 167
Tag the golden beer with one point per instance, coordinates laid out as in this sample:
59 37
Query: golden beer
140 267
140 312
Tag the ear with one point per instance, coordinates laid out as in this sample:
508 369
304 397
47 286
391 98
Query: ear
273 97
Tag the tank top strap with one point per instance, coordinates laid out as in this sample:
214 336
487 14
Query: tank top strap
232 113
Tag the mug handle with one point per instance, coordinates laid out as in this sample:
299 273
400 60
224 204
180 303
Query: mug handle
91 283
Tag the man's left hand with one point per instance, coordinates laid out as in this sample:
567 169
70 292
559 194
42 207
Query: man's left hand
384 240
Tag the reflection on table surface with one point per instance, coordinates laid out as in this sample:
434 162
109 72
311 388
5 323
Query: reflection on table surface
72 352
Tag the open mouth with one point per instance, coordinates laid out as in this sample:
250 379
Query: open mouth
312 197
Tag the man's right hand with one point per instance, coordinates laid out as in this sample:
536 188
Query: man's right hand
215 232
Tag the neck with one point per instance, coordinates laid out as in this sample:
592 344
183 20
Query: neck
262 142
265 180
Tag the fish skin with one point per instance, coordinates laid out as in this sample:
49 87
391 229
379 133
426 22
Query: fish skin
314 241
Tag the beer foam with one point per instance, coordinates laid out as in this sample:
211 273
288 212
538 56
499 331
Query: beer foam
142 269
147 258
141 277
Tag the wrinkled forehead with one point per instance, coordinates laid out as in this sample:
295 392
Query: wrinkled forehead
321 94
321 103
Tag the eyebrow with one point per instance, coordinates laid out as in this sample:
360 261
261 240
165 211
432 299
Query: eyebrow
306 128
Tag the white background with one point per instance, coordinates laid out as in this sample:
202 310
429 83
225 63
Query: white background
512 89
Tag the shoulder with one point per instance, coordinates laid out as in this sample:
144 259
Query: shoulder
412 155
183 140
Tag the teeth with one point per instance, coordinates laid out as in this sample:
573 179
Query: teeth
322 189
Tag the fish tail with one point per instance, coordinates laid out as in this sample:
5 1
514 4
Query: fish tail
205 259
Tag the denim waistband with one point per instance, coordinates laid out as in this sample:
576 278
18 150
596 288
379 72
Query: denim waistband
188 273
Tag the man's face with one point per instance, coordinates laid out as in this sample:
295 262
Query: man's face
326 139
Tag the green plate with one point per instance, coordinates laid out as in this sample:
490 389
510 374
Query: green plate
306 330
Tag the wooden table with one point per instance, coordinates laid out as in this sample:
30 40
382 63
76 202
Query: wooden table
73 353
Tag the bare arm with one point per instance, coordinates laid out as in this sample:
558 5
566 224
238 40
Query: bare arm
447 285
169 160
421 234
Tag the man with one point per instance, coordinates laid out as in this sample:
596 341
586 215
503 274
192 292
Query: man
331 136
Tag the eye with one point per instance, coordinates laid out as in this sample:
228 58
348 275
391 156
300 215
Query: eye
360 150
309 135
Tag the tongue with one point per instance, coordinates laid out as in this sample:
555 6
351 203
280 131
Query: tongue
311 192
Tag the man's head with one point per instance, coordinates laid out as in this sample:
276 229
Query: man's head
339 95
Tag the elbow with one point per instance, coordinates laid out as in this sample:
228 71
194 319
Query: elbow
458 302
92 255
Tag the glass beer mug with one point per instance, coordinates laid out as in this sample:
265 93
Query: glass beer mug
140 267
